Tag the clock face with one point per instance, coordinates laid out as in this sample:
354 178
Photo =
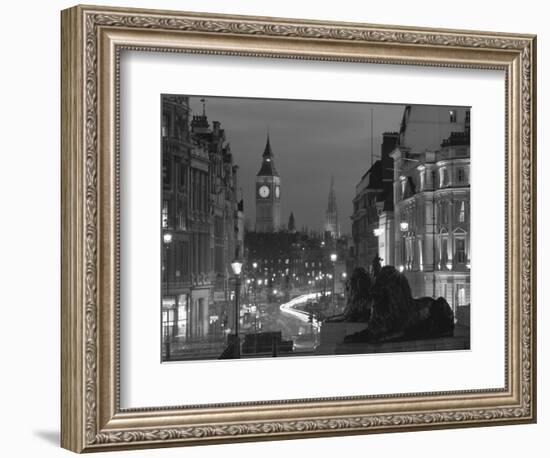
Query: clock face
277 191
264 191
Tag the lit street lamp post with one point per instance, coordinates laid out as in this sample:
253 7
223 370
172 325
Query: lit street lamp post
404 227
236 266
345 282
333 258
254 284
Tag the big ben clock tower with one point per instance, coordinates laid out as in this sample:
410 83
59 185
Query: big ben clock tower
268 194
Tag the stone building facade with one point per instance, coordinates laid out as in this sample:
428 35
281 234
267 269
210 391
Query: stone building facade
431 189
202 223
412 207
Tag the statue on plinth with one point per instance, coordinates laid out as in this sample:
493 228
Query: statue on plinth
358 306
395 315
383 300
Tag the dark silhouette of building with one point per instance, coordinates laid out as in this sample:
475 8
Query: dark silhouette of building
374 196
291 223
285 260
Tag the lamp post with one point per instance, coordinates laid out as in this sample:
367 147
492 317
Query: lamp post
333 259
345 282
404 227
254 284
236 266
167 239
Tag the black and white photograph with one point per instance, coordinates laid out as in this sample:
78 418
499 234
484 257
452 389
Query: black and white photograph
310 227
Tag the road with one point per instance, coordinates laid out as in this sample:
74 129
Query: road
292 322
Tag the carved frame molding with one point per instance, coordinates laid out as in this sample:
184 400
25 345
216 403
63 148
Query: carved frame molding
92 39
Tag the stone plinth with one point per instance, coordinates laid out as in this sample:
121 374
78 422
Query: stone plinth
332 335
332 341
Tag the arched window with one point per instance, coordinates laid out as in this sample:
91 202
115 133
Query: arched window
462 212
444 252
460 250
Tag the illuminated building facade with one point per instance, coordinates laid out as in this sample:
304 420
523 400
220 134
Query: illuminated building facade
432 204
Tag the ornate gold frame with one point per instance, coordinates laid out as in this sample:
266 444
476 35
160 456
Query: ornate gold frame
92 38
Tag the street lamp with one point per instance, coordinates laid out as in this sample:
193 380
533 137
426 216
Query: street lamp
167 239
333 258
253 281
404 226
236 267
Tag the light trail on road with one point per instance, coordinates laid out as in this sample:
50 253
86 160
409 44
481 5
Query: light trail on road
289 307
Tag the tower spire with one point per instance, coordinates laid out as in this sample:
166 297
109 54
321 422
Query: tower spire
332 226
268 153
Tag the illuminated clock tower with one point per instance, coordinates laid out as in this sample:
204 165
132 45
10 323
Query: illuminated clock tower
268 194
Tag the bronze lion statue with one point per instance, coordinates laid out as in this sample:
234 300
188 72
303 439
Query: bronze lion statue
359 299
394 315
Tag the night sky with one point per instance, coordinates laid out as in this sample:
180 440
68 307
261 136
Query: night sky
311 141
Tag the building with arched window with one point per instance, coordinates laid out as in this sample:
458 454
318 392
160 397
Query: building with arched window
431 211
